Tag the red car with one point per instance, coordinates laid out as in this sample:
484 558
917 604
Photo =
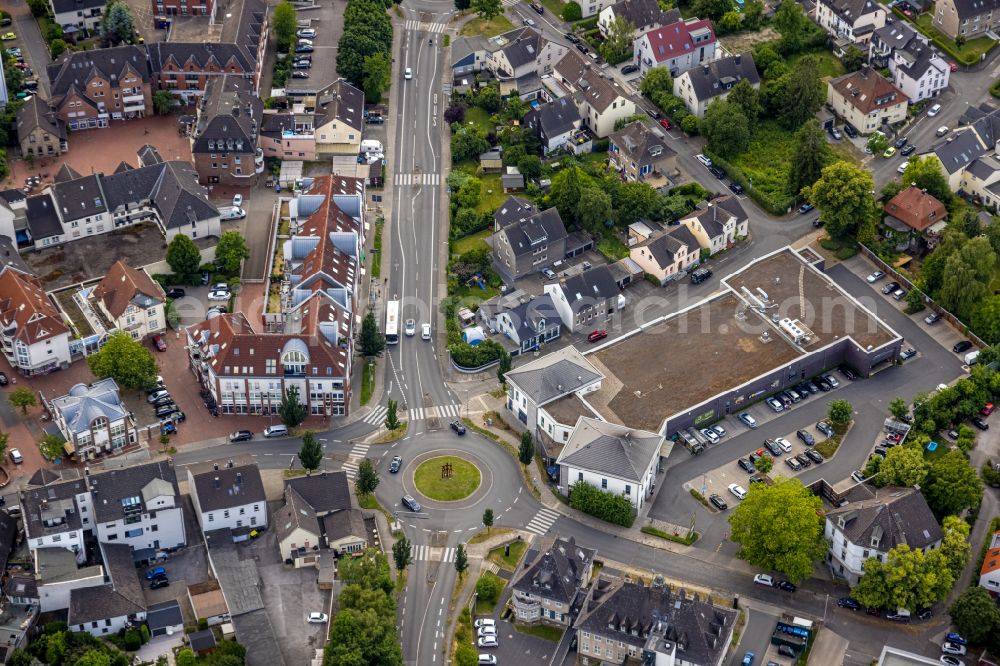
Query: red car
665 124
159 343
952 66
597 335
987 410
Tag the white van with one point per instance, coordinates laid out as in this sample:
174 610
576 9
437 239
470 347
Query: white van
972 357
371 146
276 431
231 213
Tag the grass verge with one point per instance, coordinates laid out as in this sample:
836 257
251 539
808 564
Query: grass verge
828 447
391 435
292 473
430 481
476 241
508 562
487 606
685 541
543 631
482 28
483 535
367 383
377 252
530 482
701 498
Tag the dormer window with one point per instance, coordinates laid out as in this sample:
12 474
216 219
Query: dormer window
875 541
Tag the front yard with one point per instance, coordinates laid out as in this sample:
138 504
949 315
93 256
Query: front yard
482 28
969 53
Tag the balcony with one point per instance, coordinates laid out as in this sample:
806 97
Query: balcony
134 99
526 605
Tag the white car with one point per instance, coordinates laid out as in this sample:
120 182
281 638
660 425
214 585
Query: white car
408 74
484 622
486 630
306 33
372 158
707 161
410 328
318 618
487 641
16 457
949 660
425 331
764 579
237 200
941 131
711 434
219 295
305 42
875 277
738 490
902 167
785 445
953 648
487 659
934 110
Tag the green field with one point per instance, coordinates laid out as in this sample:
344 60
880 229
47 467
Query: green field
463 482
509 563
471 242
478 26
829 64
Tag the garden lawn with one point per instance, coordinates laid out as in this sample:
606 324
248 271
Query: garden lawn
493 195
481 119
471 242
509 563
478 26
943 448
464 481
829 64
969 53
612 248
543 631
554 6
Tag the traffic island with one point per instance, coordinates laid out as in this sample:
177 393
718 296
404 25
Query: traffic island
447 478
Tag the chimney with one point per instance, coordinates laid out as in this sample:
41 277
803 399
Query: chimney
216 482
215 466
239 478
737 58
230 463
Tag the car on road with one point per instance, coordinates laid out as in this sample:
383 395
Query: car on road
410 328
175 292
806 437
875 277
530 22
458 427
907 353
717 172
241 436
848 602
306 33
748 659
425 331
719 430
815 456
941 131
407 73
889 152
979 423
764 579
665 123
485 622
932 318
775 404
785 585
317 618
487 642
900 142
805 208
889 288
411 504
710 434
219 295
748 420
718 502
949 660
597 335
159 343
953 648
397 462
736 188
746 465
962 346
739 491
632 69
906 151
934 110
707 161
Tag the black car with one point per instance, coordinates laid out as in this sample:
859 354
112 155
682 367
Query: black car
850 131
177 416
822 384
786 651
165 400
303 48
881 451
582 48
979 423
962 346
793 463
397 462
166 410
718 502
717 172
746 465
755 479
806 437
805 208
907 150
735 188
630 69
3 379
175 292
241 436
847 372
815 456
458 427
785 585
299 74
572 38
804 460
847 602
889 288
925 613
773 447
157 583
900 142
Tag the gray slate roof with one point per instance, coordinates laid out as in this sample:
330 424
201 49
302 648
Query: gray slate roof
138 482
120 597
962 148
341 102
897 516
513 210
642 13
528 315
714 215
43 220
522 47
53 502
162 53
36 114
85 403
554 375
663 247
237 486
851 10
74 68
202 640
558 573
164 614
324 492
719 76
230 118
969 8
611 449
595 284
541 228
255 632
79 198
343 524
63 6
557 117
638 143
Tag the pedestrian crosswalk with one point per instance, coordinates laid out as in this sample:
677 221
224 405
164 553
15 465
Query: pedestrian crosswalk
421 26
354 458
377 415
542 521
432 554
510 3
418 179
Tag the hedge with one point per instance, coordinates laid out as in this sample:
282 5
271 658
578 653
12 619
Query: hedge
995 88
768 203
462 353
687 540
601 504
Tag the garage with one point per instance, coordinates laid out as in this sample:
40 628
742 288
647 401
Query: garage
165 618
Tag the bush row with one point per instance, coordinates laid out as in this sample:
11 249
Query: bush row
601 504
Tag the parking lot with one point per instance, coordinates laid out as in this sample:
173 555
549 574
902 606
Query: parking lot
514 647
327 20
187 566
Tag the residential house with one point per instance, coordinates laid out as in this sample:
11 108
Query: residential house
989 573
547 396
78 17
528 245
128 300
34 338
587 299
611 457
700 86
871 528
916 67
319 519
165 618
108 608
853 20
867 100
468 55
289 136
639 154
514 209
623 621
555 124
547 588
528 322
642 15
170 8
39 131
912 213
93 419
90 89
519 57
718 224
968 164
51 515
339 120
227 495
57 573
677 46
600 103
224 145
966 18
667 255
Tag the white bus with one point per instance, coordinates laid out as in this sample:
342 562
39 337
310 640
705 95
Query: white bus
392 322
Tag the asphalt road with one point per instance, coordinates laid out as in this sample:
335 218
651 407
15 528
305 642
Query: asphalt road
36 53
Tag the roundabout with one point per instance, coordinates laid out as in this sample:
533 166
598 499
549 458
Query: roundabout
447 478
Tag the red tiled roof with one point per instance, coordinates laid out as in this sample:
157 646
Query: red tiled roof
867 90
915 208
674 40
992 562
23 303
120 286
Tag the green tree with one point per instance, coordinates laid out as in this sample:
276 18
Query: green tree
603 504
877 143
899 409
183 256
284 24
461 560
594 210
467 142
117 24
747 98
764 464
125 360
231 252
799 94
363 637
185 657
840 412
812 153
633 200
391 418
377 75
22 398
712 9
487 9
793 24
966 279
371 342
779 527
571 11
927 174
952 485
844 196
618 44
162 102
462 4
955 544
488 519
566 189
526 452
914 301
908 579
726 128
402 553
4 438
51 446
488 587
657 81
986 320
903 466
976 615
505 365
853 58
291 410
731 21
311 453
367 480
38 8
753 14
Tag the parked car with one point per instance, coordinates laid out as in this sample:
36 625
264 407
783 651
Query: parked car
710 434
707 161
932 318
241 436
302 64
717 172
906 151
848 372
962 346
804 460
815 456
825 427
597 335
941 131
786 585
157 583
949 660
835 133
487 630
718 502
748 420
458 427
736 188
3 379
487 642
775 404
746 465
956 638
484 622
876 276
987 409
306 33
739 491
822 384
848 602
889 152
806 437
953 648
219 295
784 444
831 380
216 310
773 447
934 110
632 69
748 659
397 462
880 451
156 395
979 423
159 343
665 123
907 353
410 503
858 476
805 208
317 618
850 131
889 288
307 48
572 38
899 294
764 579
299 74
900 142
175 292
166 410
16 457
154 572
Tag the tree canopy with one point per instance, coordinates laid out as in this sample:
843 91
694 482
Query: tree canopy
726 128
183 256
844 196
909 579
231 251
125 360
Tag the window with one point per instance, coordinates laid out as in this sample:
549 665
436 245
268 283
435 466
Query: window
604 484
225 514
579 476
211 517
133 533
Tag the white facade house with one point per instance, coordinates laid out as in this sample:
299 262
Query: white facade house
921 72
678 46
871 528
854 20
93 419
57 574
614 458
718 225
78 14
989 574
128 300
228 495
33 336
118 603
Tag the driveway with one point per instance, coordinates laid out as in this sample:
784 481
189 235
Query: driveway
33 47
755 637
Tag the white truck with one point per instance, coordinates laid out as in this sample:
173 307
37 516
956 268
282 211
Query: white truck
371 146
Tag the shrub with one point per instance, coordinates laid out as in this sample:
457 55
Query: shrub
132 640
991 476
601 504
572 12
488 587
845 253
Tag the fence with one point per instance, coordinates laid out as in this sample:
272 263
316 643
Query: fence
908 285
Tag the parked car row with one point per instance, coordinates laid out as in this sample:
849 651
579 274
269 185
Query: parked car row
164 407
